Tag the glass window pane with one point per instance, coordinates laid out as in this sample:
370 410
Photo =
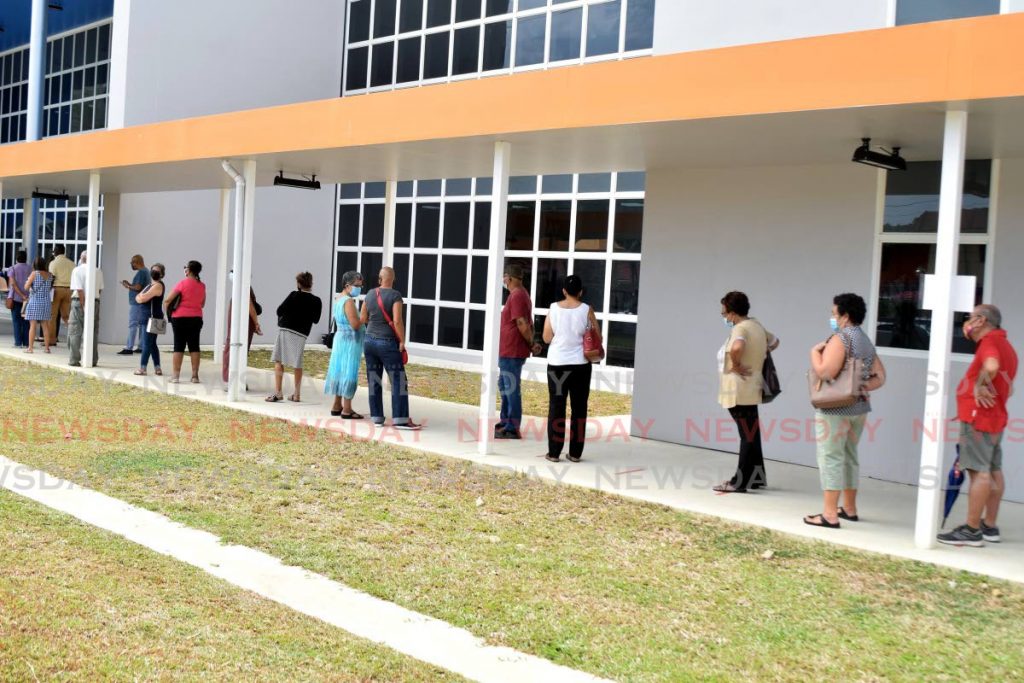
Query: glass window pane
458 187
912 197
421 324
482 226
384 18
383 64
435 60
373 225
592 274
550 277
640 24
100 120
424 276
902 323
484 186
451 322
595 182
348 225
530 40
428 188
401 266
557 184
351 190
632 181
359 21
476 330
439 12
603 29
522 184
76 117
370 263
405 188
531 4
101 79
79 50
566 30
456 225
519 226
497 45
428 223
621 344
375 190
917 11
90 46
358 61
625 287
411 18
453 278
68 53
555 221
466 10
629 223
103 43
346 261
408 60
466 50
592 224
478 281
403 225
495 7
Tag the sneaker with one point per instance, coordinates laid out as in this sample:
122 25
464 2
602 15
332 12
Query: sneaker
962 535
137 351
125 352
409 426
507 435
990 533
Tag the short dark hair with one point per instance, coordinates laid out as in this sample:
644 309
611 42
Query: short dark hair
573 285
21 256
736 302
58 250
39 263
304 280
194 267
852 305
159 267
514 270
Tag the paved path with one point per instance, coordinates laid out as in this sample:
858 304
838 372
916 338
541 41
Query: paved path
668 474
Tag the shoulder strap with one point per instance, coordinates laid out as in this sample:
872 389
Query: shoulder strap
387 318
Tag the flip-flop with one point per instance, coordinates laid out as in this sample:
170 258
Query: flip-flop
848 518
335 413
822 522
293 399
274 398
351 416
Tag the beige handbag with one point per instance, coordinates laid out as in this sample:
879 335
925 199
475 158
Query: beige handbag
844 390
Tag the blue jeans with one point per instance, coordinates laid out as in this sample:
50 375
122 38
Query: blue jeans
149 350
20 324
138 316
383 355
510 372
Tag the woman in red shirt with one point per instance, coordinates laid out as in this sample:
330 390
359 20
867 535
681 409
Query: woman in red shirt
185 311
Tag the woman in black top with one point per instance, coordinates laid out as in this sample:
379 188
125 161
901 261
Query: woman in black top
295 318
154 296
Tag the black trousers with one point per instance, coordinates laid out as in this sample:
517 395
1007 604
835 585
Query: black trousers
568 384
750 469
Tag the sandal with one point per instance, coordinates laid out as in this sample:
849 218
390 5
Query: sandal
351 416
335 413
174 380
847 517
140 373
727 487
293 399
552 458
822 522
158 372
195 380
274 398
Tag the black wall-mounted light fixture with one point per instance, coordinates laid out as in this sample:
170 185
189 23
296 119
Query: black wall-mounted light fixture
56 196
891 161
301 183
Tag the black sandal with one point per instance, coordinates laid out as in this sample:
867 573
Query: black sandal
351 416
335 413
848 518
273 398
822 522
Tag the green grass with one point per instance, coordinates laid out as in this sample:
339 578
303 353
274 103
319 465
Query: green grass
82 604
455 386
622 589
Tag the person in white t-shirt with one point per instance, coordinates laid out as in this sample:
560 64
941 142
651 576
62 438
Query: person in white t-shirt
76 322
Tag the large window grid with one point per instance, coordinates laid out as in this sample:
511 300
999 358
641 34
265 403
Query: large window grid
588 224
399 43
13 95
67 223
11 216
77 77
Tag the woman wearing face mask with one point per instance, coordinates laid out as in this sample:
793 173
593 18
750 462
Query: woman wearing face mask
153 297
740 362
347 351
838 430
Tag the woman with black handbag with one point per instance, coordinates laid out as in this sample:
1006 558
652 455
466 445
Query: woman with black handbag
153 295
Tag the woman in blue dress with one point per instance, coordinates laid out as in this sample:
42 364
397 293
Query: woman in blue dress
347 350
40 288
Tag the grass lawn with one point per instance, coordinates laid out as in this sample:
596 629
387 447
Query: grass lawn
620 588
455 386
80 603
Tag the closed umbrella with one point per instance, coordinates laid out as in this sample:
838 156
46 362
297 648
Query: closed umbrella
954 481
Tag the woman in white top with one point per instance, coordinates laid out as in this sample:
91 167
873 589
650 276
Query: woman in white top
568 369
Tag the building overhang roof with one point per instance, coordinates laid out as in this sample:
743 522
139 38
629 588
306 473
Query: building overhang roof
790 102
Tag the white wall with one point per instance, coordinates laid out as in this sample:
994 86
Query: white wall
683 25
1013 6
791 238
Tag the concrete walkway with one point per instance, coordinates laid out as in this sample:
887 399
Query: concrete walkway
667 474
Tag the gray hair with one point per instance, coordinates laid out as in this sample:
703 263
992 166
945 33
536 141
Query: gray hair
351 277
990 313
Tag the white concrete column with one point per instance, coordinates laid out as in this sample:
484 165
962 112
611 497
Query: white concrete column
36 71
495 264
223 286
92 238
240 308
930 475
390 204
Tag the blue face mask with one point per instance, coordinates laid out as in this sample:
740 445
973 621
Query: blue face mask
834 324
356 291
728 323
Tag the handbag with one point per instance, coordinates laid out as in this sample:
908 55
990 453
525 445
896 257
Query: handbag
380 305
328 339
593 350
770 386
156 326
844 390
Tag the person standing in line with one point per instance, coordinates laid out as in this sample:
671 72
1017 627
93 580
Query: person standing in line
16 277
76 321
740 365
514 347
152 297
981 409
61 267
138 314
569 372
185 309
838 430
37 311
296 316
255 311
347 349
384 350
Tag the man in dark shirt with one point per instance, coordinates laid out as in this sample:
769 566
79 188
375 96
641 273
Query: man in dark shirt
514 347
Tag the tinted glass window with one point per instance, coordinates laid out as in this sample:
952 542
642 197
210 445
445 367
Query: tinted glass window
530 40
917 11
603 29
359 21
466 54
566 30
435 61
639 24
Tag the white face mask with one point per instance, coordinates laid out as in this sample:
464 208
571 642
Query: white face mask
728 323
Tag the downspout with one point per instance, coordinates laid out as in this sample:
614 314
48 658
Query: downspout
238 311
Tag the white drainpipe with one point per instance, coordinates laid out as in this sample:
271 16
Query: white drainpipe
239 310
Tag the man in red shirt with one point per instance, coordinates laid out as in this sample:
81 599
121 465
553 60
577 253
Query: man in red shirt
981 408
515 345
